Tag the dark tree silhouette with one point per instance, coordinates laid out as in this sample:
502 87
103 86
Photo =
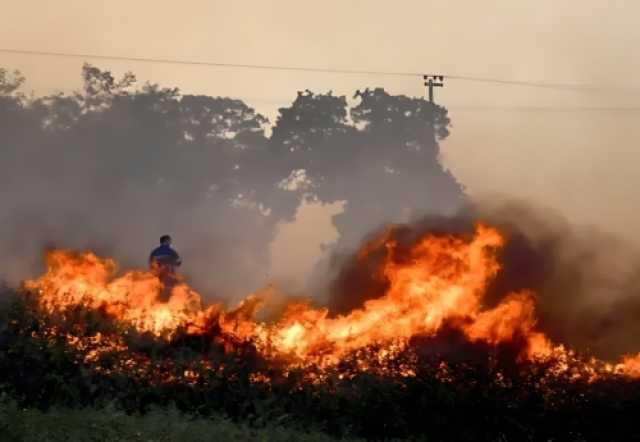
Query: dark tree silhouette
383 161
396 172
116 164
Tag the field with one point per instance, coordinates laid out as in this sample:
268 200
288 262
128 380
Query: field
48 394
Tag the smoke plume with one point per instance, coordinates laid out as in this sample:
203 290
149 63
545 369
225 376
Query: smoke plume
586 282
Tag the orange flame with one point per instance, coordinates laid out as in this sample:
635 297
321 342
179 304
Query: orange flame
440 280
133 298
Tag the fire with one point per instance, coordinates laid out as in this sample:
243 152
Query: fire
438 280
441 280
630 366
133 298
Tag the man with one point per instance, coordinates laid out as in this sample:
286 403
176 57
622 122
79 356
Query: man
164 255
163 261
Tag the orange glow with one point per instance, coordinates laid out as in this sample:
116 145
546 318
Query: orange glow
133 298
436 281
630 366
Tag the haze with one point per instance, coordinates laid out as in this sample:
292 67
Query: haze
573 151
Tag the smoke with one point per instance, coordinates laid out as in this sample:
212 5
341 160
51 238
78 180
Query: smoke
586 282
112 168
115 165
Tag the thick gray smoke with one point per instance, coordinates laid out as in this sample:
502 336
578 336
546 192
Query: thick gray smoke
114 166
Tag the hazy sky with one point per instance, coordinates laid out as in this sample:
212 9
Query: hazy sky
582 162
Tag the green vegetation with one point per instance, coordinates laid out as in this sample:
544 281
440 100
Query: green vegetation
157 425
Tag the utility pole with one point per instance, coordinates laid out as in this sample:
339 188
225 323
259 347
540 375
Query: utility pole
431 81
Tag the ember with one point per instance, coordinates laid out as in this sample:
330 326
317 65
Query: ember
440 281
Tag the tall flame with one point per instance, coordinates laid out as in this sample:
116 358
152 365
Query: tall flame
440 280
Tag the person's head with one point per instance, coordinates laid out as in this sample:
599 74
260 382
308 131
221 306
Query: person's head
165 240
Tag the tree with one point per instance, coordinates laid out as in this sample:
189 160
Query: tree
122 164
10 82
383 160
309 139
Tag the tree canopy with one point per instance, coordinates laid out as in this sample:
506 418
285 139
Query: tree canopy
110 164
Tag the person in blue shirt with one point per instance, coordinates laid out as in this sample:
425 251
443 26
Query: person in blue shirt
164 255
163 261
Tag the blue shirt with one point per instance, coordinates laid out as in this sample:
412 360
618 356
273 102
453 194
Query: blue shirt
165 255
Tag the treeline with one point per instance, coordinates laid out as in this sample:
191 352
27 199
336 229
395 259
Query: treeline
115 164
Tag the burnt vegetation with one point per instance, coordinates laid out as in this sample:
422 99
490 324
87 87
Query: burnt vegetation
481 393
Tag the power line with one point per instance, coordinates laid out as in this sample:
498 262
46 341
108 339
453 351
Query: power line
536 84
210 63
512 108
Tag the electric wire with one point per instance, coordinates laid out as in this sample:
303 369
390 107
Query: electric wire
500 81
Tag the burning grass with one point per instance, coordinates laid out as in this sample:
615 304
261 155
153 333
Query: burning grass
427 357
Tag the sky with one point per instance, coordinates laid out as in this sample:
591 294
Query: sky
575 152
